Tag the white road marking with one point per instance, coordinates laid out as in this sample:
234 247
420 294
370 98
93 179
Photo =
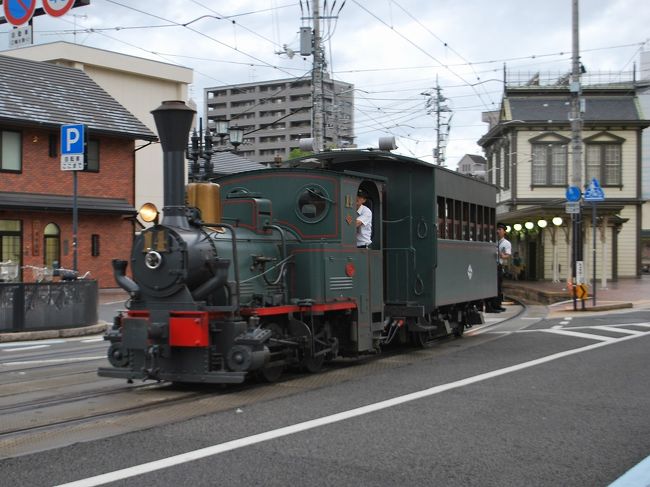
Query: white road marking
92 340
33 342
19 349
52 361
590 336
618 330
565 322
557 327
326 420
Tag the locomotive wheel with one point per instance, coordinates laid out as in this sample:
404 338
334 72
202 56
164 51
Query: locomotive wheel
420 339
271 374
313 364
458 329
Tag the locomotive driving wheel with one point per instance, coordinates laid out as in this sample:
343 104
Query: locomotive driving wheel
273 373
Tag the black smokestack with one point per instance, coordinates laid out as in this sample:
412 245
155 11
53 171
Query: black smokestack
173 121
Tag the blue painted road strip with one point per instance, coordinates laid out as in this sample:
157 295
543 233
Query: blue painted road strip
638 476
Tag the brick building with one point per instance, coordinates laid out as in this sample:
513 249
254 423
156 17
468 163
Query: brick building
36 195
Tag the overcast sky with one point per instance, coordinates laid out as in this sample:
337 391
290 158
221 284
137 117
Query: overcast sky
391 50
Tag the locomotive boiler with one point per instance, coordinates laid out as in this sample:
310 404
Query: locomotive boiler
261 271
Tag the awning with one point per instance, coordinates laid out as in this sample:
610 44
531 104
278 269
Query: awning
53 202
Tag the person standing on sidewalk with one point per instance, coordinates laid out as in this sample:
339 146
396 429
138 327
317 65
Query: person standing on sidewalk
504 251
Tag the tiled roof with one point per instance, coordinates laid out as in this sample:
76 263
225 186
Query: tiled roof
49 95
225 163
557 108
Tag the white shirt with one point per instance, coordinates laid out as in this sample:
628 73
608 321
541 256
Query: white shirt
504 247
364 231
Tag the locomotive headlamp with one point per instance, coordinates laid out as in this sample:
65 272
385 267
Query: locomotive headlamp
152 259
148 212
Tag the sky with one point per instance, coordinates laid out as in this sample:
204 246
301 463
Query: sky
395 52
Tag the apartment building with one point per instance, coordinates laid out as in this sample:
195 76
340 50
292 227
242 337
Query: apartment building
276 114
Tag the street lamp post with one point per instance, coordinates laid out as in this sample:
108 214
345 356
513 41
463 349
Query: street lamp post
204 151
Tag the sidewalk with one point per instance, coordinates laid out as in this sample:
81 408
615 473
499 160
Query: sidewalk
624 293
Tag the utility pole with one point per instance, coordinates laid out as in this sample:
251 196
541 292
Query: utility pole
435 105
317 83
576 146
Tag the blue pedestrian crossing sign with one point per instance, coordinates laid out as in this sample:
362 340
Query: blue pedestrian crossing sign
72 147
594 192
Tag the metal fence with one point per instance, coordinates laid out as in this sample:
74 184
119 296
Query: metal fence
47 305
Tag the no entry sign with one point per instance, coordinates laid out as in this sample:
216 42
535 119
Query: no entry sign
56 8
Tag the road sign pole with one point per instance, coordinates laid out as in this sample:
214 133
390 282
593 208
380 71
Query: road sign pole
75 221
593 231
574 258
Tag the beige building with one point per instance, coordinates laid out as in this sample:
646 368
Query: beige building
528 152
140 85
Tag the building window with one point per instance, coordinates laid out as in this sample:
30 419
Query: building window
10 151
549 164
52 244
10 249
92 156
94 245
604 163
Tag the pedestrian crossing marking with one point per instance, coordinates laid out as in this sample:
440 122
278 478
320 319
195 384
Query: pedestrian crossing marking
578 334
619 330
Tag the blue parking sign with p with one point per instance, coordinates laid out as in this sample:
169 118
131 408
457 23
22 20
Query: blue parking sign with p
72 147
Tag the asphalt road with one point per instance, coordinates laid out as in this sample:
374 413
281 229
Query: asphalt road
525 402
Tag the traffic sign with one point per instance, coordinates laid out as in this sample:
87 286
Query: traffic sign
72 147
573 193
56 8
594 192
18 12
572 207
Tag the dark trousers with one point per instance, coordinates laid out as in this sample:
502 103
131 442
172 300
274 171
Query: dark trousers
499 298
495 302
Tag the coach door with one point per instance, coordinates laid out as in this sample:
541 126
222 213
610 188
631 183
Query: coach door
373 255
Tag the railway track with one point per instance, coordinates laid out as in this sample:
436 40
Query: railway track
39 413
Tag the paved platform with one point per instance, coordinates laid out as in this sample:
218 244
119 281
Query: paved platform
621 294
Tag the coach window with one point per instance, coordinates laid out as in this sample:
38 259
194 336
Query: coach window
449 218
491 226
466 235
472 222
458 216
51 244
312 204
441 217
10 151
479 223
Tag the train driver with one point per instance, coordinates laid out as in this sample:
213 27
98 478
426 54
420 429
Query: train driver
364 221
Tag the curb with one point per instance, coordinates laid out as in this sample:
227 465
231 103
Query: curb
19 336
